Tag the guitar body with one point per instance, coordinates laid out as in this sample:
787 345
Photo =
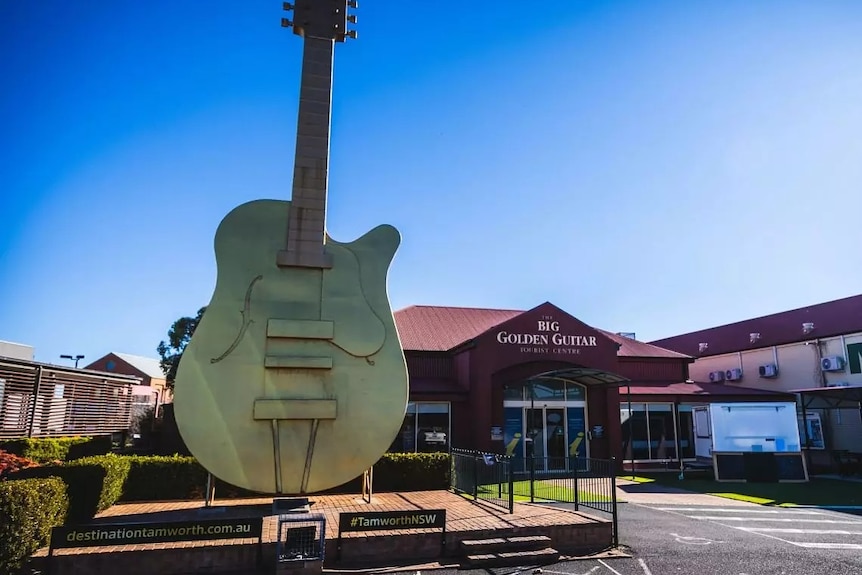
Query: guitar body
294 381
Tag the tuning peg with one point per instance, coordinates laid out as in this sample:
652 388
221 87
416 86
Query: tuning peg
287 6
285 23
351 34
353 3
351 18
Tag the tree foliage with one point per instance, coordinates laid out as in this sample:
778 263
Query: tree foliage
179 336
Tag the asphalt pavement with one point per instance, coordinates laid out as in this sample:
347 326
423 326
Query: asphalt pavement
721 539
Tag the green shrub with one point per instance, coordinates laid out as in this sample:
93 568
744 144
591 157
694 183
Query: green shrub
51 449
411 472
154 478
29 508
93 484
166 477
99 445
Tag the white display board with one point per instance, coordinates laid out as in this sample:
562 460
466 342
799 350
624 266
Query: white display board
747 427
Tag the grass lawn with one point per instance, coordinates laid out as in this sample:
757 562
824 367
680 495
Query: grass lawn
545 491
815 492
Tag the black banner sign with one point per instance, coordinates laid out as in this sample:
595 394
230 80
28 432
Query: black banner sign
382 520
105 534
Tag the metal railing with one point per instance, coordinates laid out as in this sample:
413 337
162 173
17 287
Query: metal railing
498 479
485 476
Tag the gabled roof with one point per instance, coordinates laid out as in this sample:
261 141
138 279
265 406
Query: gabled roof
837 317
441 328
147 365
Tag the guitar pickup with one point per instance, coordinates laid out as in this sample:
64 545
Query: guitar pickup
300 329
294 409
297 362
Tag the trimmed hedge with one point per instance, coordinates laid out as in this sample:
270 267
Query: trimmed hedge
96 483
29 508
411 472
93 483
51 449
153 478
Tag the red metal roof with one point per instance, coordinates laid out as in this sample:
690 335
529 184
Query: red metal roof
441 328
438 328
698 388
832 318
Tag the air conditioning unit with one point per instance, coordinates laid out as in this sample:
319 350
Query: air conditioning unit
733 374
768 370
716 376
832 363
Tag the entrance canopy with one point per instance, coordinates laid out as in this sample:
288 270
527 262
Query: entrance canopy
585 376
830 397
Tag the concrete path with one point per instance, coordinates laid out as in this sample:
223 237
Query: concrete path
655 494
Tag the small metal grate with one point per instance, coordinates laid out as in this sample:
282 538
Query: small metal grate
301 537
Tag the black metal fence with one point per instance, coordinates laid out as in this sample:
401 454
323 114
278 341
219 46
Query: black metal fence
500 480
485 476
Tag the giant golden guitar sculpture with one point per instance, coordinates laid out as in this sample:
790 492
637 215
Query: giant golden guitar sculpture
295 381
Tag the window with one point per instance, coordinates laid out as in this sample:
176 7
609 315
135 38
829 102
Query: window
544 389
426 428
686 432
648 431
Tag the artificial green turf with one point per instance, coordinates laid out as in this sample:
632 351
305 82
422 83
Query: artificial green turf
815 492
545 491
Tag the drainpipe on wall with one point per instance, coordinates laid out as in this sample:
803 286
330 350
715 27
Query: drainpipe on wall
775 358
739 354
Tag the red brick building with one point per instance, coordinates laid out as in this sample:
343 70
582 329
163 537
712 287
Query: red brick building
500 380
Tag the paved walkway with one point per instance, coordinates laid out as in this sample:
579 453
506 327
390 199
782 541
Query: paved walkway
655 494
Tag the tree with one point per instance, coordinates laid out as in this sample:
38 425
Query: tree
179 336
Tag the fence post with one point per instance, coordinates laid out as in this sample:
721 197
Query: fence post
532 477
613 477
575 478
475 477
511 487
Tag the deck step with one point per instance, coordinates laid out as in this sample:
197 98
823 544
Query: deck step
497 544
513 558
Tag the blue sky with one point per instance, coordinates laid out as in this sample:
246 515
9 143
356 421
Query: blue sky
655 167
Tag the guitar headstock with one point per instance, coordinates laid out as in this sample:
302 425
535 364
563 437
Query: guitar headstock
325 19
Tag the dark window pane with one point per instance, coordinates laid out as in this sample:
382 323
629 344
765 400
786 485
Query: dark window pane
661 432
405 441
634 428
686 434
433 427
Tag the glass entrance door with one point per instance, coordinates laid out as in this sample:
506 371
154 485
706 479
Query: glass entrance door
545 431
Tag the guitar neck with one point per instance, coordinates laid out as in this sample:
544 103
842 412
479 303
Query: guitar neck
307 221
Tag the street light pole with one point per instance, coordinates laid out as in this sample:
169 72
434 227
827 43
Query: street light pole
75 358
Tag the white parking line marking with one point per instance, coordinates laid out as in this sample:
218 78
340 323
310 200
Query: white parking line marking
645 568
793 520
611 569
829 545
720 520
741 510
594 568
809 531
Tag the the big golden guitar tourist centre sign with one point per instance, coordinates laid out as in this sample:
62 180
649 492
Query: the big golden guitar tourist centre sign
547 339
